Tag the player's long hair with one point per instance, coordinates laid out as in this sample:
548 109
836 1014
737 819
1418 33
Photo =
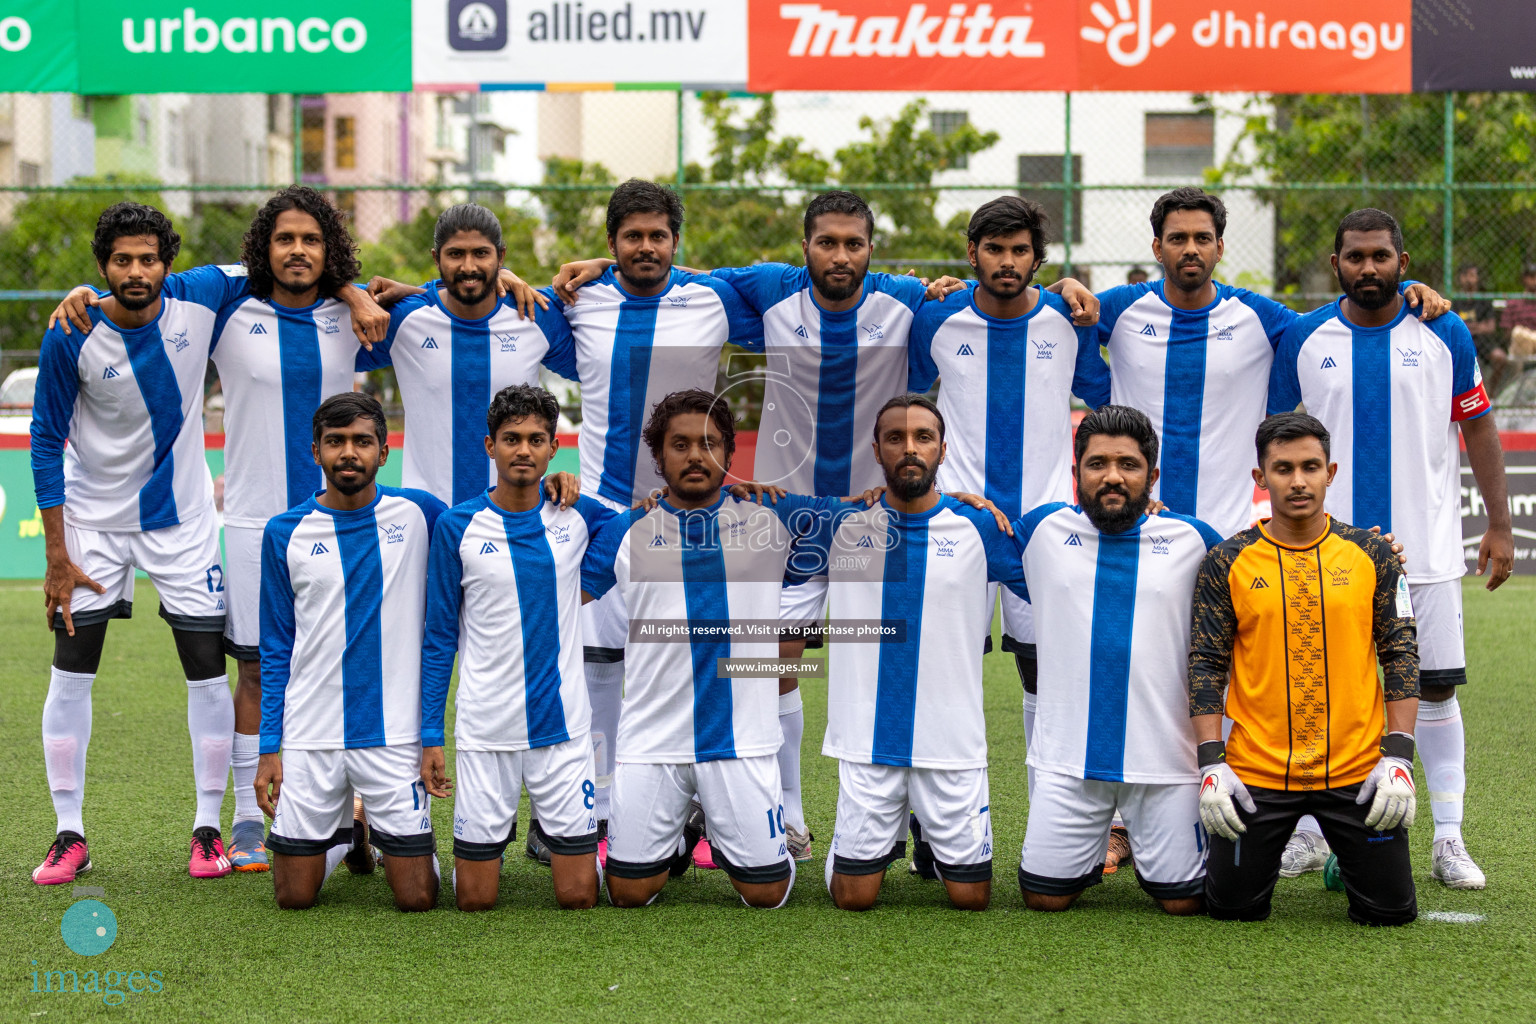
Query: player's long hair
131 220
341 266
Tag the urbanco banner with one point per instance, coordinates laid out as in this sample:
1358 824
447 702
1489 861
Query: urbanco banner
37 46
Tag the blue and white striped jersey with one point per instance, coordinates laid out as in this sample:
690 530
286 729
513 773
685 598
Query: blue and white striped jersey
699 585
827 375
1201 376
913 698
632 352
504 594
130 404
276 365
449 369
1112 616
1006 395
1391 397
343 596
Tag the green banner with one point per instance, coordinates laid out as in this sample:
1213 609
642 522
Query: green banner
237 46
37 46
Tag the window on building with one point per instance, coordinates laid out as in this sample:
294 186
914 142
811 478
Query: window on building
1036 167
1179 145
346 202
274 114
29 174
346 142
945 123
313 141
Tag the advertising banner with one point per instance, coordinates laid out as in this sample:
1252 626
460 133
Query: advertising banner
1520 470
37 46
238 46
491 44
1473 45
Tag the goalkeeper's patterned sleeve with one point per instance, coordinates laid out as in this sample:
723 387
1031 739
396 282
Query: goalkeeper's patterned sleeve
1213 628
1394 628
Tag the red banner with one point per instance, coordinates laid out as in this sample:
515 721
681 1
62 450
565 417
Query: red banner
1126 45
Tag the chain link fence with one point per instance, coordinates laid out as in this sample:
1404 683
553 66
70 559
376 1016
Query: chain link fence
1456 170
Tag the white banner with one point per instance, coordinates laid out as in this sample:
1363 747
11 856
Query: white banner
469 43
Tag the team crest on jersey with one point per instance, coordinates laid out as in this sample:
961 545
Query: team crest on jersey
1149 331
319 549
658 541
1258 584
802 332
1338 575
257 329
964 350
430 342
1161 545
865 541
1328 363
679 301
559 534
1044 348
394 533
875 332
328 324
507 340
179 339
1073 541
945 548
109 373
488 548
1410 356
1224 333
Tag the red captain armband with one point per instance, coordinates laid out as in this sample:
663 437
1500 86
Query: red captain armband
1470 403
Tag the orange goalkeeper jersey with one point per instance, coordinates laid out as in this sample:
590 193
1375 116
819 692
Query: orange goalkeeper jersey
1301 630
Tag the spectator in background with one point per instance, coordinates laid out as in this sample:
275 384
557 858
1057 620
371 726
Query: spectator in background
1136 275
1483 321
1519 321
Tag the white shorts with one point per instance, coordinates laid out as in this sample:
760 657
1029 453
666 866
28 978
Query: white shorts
1018 620
314 807
744 817
182 561
952 806
242 591
1068 833
605 622
560 788
804 604
1442 648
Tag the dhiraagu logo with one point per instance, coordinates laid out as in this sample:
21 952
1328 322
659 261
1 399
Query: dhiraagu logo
89 928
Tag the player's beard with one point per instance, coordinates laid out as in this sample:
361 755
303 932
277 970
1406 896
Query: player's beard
645 273
1371 299
1009 288
364 478
461 284
1175 278
1120 519
134 303
291 287
834 290
910 488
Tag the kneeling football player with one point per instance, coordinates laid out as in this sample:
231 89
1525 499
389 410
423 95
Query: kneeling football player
343 596
504 593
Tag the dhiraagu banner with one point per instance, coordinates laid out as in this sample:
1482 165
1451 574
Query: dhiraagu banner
37 46
244 46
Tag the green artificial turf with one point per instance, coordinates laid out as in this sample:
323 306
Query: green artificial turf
226 953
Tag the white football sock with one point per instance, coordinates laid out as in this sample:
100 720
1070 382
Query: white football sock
66 734
829 872
242 765
792 724
1309 825
211 723
1031 701
605 689
1442 743
333 857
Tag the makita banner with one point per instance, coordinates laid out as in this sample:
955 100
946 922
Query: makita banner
1127 45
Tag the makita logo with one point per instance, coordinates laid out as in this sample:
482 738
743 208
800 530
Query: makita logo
242 35
826 32
15 34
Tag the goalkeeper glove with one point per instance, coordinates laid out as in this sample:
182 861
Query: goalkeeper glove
1219 785
1389 787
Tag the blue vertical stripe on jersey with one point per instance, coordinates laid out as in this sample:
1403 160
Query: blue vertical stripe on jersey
633 339
299 353
362 677
1109 658
1371 365
714 732
533 569
156 378
1004 443
471 396
1183 405
834 405
901 600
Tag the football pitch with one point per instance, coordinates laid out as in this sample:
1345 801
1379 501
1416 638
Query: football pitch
226 953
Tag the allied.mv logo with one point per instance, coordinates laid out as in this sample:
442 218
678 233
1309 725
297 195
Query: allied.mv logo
477 24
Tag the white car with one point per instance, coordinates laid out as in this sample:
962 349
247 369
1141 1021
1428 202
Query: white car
16 401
